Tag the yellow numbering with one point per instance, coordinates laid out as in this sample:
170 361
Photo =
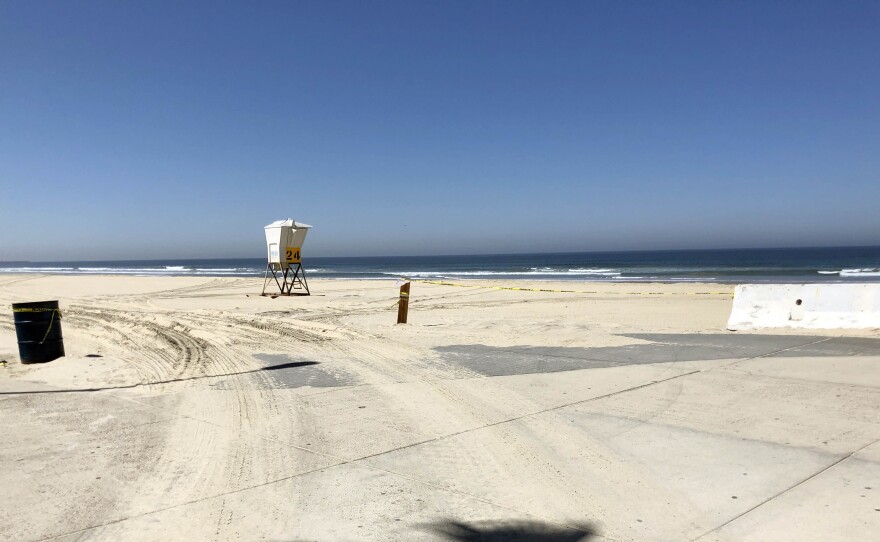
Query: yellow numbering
291 255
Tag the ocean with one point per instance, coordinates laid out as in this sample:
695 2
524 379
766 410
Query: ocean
847 264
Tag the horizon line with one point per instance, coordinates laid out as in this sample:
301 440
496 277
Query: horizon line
6 262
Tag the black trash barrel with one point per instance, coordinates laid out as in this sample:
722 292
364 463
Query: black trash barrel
38 329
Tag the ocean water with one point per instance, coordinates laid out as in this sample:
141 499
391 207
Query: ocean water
849 264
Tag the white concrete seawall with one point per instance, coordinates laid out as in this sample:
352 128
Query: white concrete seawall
806 306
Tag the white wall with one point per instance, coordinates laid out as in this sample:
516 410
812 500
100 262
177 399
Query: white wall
823 306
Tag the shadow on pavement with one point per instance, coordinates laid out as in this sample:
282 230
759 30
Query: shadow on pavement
280 366
514 531
661 348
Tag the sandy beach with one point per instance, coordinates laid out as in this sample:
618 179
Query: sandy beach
194 408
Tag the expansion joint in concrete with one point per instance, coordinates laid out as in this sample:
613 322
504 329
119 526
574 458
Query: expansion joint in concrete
836 462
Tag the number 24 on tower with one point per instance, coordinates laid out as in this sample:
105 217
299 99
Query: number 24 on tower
292 255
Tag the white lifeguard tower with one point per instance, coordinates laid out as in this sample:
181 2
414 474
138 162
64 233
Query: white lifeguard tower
284 241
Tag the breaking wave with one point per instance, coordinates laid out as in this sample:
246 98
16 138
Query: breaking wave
853 272
860 273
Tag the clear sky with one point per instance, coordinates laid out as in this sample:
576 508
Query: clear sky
179 129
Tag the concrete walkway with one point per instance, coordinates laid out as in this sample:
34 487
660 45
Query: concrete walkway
704 437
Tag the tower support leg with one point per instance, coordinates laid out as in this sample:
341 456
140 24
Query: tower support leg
285 280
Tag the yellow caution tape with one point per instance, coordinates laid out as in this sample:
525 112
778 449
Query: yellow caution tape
52 321
403 295
593 292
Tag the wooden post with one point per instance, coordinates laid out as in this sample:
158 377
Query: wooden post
403 305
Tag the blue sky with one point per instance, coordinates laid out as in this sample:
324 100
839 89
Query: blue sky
178 129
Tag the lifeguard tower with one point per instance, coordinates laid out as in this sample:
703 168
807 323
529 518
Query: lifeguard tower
284 241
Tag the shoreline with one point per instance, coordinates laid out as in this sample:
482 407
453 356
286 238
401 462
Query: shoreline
505 279
794 265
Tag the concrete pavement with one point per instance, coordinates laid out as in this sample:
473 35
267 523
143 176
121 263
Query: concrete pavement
705 437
